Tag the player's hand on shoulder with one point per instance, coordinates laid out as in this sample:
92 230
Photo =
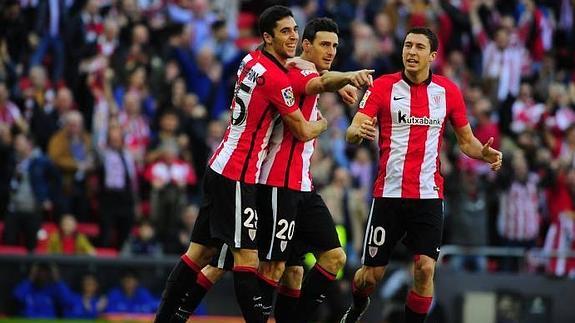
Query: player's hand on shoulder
361 78
348 94
492 156
300 63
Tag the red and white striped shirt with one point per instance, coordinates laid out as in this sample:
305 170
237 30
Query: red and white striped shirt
561 238
411 120
519 217
288 160
262 90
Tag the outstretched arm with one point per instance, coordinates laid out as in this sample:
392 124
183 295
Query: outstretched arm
331 81
472 147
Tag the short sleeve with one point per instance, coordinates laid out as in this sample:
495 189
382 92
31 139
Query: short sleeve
371 102
299 79
282 96
456 107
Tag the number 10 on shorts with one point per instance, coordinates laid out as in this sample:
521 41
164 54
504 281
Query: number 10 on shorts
376 236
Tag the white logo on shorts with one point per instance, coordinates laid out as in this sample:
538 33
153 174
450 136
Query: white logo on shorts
373 251
252 234
283 245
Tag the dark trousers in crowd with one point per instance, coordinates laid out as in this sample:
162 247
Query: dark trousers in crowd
116 218
22 224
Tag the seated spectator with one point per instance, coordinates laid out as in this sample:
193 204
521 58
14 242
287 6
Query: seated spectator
87 304
130 297
178 240
67 240
143 242
169 177
42 294
31 192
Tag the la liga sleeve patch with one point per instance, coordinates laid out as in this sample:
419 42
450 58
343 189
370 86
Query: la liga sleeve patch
287 94
364 99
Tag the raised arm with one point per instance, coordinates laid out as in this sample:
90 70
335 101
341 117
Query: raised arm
472 147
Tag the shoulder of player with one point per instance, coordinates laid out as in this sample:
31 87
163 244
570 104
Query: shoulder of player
445 82
386 81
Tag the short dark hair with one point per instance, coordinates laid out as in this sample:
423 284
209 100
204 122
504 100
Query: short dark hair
319 24
431 36
269 18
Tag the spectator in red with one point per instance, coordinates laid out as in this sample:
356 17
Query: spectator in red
484 126
136 128
519 217
526 111
170 177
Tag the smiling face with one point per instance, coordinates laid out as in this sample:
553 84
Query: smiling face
322 50
417 55
283 40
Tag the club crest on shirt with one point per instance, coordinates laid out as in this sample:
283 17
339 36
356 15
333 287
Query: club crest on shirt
252 234
306 72
436 100
364 99
373 251
283 245
288 96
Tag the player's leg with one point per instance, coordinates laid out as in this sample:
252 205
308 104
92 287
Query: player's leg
424 230
316 231
206 278
384 228
286 308
278 211
184 274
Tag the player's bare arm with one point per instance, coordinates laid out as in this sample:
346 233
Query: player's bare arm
472 147
302 129
362 127
348 94
331 81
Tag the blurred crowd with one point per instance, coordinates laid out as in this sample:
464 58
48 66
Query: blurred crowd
109 110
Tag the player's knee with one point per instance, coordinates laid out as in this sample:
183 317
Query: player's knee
213 273
245 257
370 276
293 277
424 269
333 260
200 254
272 270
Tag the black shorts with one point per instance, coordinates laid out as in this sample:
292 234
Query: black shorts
227 214
293 223
224 259
313 231
419 222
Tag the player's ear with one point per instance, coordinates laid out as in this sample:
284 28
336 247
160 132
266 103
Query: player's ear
267 38
306 45
432 56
